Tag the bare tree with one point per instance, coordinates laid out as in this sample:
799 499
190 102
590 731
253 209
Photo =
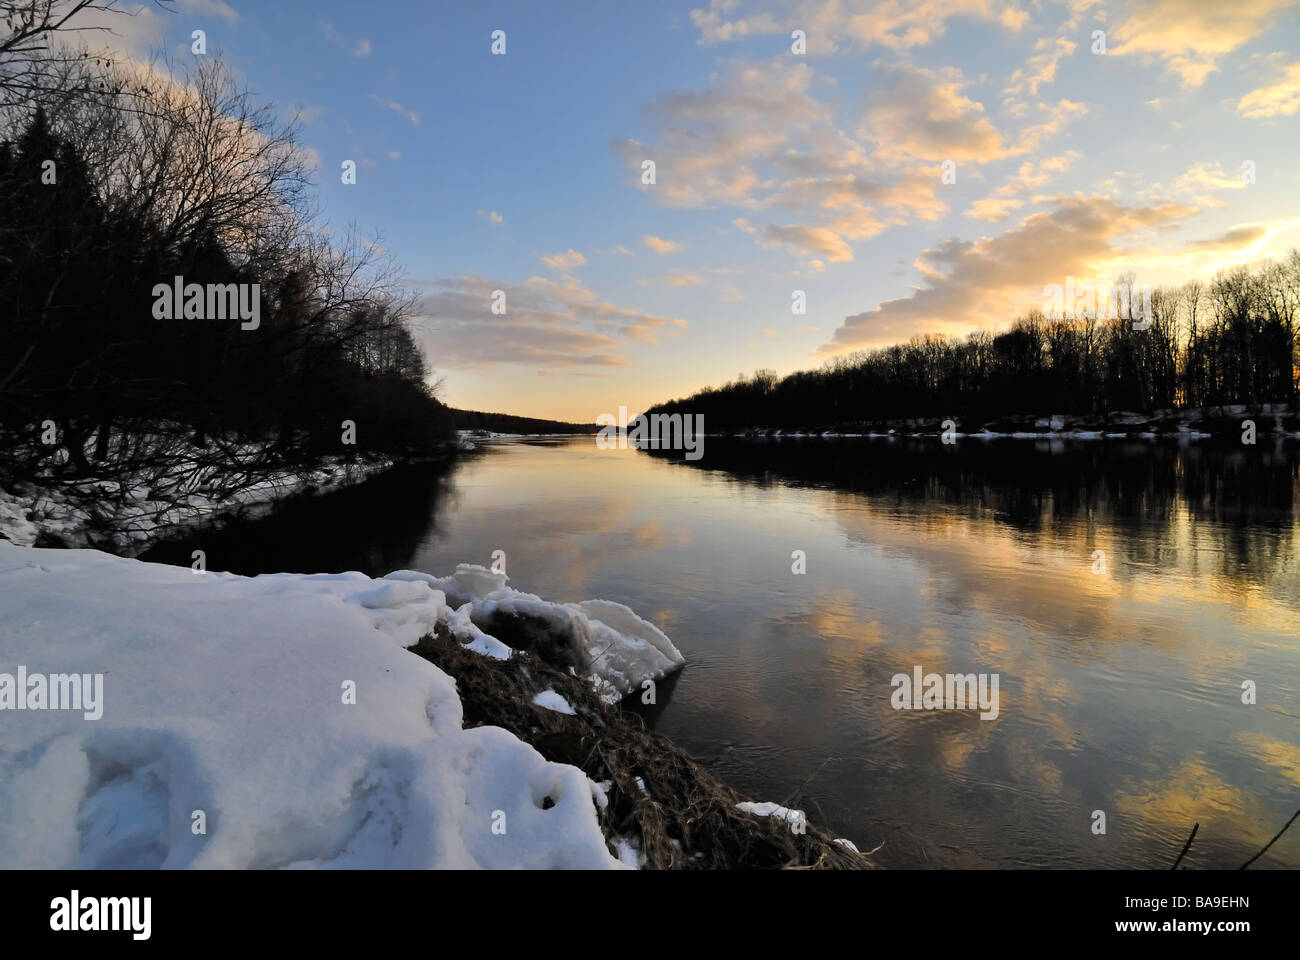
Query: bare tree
28 46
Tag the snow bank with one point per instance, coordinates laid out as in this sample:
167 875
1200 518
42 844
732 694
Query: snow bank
612 645
276 721
129 516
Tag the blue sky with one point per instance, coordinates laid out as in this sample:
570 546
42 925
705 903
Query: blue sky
776 171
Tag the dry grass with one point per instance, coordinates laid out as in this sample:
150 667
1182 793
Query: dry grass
684 818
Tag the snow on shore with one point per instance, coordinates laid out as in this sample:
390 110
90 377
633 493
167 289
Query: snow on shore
128 517
616 649
226 704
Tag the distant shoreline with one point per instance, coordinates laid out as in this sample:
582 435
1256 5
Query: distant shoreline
1271 420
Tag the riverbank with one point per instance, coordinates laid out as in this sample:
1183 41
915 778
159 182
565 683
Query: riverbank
660 809
156 726
126 513
1277 420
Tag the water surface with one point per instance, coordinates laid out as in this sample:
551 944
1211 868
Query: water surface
1119 691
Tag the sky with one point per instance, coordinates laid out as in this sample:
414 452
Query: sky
908 166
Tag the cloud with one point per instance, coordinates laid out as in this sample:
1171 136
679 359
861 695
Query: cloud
821 240
398 108
1242 235
1191 36
833 25
853 197
548 323
1280 99
492 217
1038 70
209 8
1030 176
711 141
607 317
925 115
1207 176
758 141
967 284
569 260
659 245
674 278
618 250
132 31
361 48
1241 243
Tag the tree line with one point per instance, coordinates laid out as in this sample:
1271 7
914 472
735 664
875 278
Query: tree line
508 423
115 180
1226 341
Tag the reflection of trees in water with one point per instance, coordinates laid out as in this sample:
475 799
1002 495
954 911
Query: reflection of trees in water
374 527
1240 503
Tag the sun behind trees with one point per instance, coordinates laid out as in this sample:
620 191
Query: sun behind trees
116 180
1229 341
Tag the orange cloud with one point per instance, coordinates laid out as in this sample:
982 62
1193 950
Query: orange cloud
660 245
1191 36
967 283
1280 99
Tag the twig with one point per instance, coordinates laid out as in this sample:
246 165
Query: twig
1186 846
799 789
1270 843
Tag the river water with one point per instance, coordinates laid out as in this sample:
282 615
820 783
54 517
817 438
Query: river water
1120 689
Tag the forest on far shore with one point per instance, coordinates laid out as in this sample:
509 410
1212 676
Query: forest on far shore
508 423
1228 341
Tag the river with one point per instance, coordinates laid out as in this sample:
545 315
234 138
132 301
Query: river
1120 676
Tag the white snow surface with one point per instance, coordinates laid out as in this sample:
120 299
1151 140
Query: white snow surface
550 700
617 649
226 695
130 517
769 809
